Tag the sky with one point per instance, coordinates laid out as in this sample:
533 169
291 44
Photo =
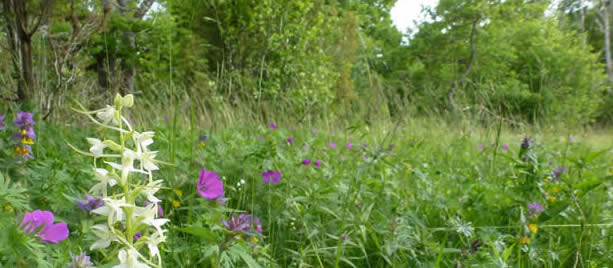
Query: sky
405 11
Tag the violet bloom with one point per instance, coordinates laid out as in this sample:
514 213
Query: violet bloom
348 145
166 118
80 261
209 185
481 147
24 120
571 139
290 140
306 162
526 142
258 226
242 223
505 147
202 138
2 125
137 236
271 176
272 126
49 232
317 163
558 172
535 208
90 203
364 157
332 145
160 209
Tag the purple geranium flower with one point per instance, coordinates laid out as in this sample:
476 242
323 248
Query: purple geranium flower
348 145
557 173
24 120
242 223
49 232
80 261
166 118
505 147
160 209
290 140
271 176
535 208
332 145
90 203
306 162
571 139
2 125
209 185
317 163
481 147
272 126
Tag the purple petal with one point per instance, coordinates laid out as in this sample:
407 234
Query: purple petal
54 233
209 185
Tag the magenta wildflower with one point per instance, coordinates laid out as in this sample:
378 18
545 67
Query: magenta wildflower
306 162
209 185
160 209
505 147
332 145
481 147
290 140
2 125
348 145
317 163
80 261
90 203
535 208
49 232
272 126
271 176
571 139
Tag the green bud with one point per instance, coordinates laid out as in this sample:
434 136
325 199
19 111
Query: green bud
118 100
112 145
128 100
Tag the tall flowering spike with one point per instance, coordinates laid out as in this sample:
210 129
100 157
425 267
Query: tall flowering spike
25 135
526 142
125 219
209 185
42 221
272 177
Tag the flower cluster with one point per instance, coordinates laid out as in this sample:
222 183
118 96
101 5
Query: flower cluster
49 232
130 226
25 135
271 176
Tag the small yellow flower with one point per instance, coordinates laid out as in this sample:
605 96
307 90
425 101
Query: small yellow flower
546 180
179 192
176 203
8 208
27 140
254 239
556 189
202 145
533 227
552 198
524 240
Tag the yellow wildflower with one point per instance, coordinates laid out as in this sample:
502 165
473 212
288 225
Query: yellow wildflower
552 198
176 203
524 240
254 239
556 189
179 192
8 208
533 227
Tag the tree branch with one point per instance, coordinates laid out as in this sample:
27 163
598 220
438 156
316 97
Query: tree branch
469 65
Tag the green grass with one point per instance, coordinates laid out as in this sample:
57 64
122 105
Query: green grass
425 196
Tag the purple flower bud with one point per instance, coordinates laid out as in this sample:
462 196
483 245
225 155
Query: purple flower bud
272 126
290 140
272 177
306 162
318 163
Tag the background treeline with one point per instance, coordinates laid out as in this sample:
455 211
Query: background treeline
306 60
